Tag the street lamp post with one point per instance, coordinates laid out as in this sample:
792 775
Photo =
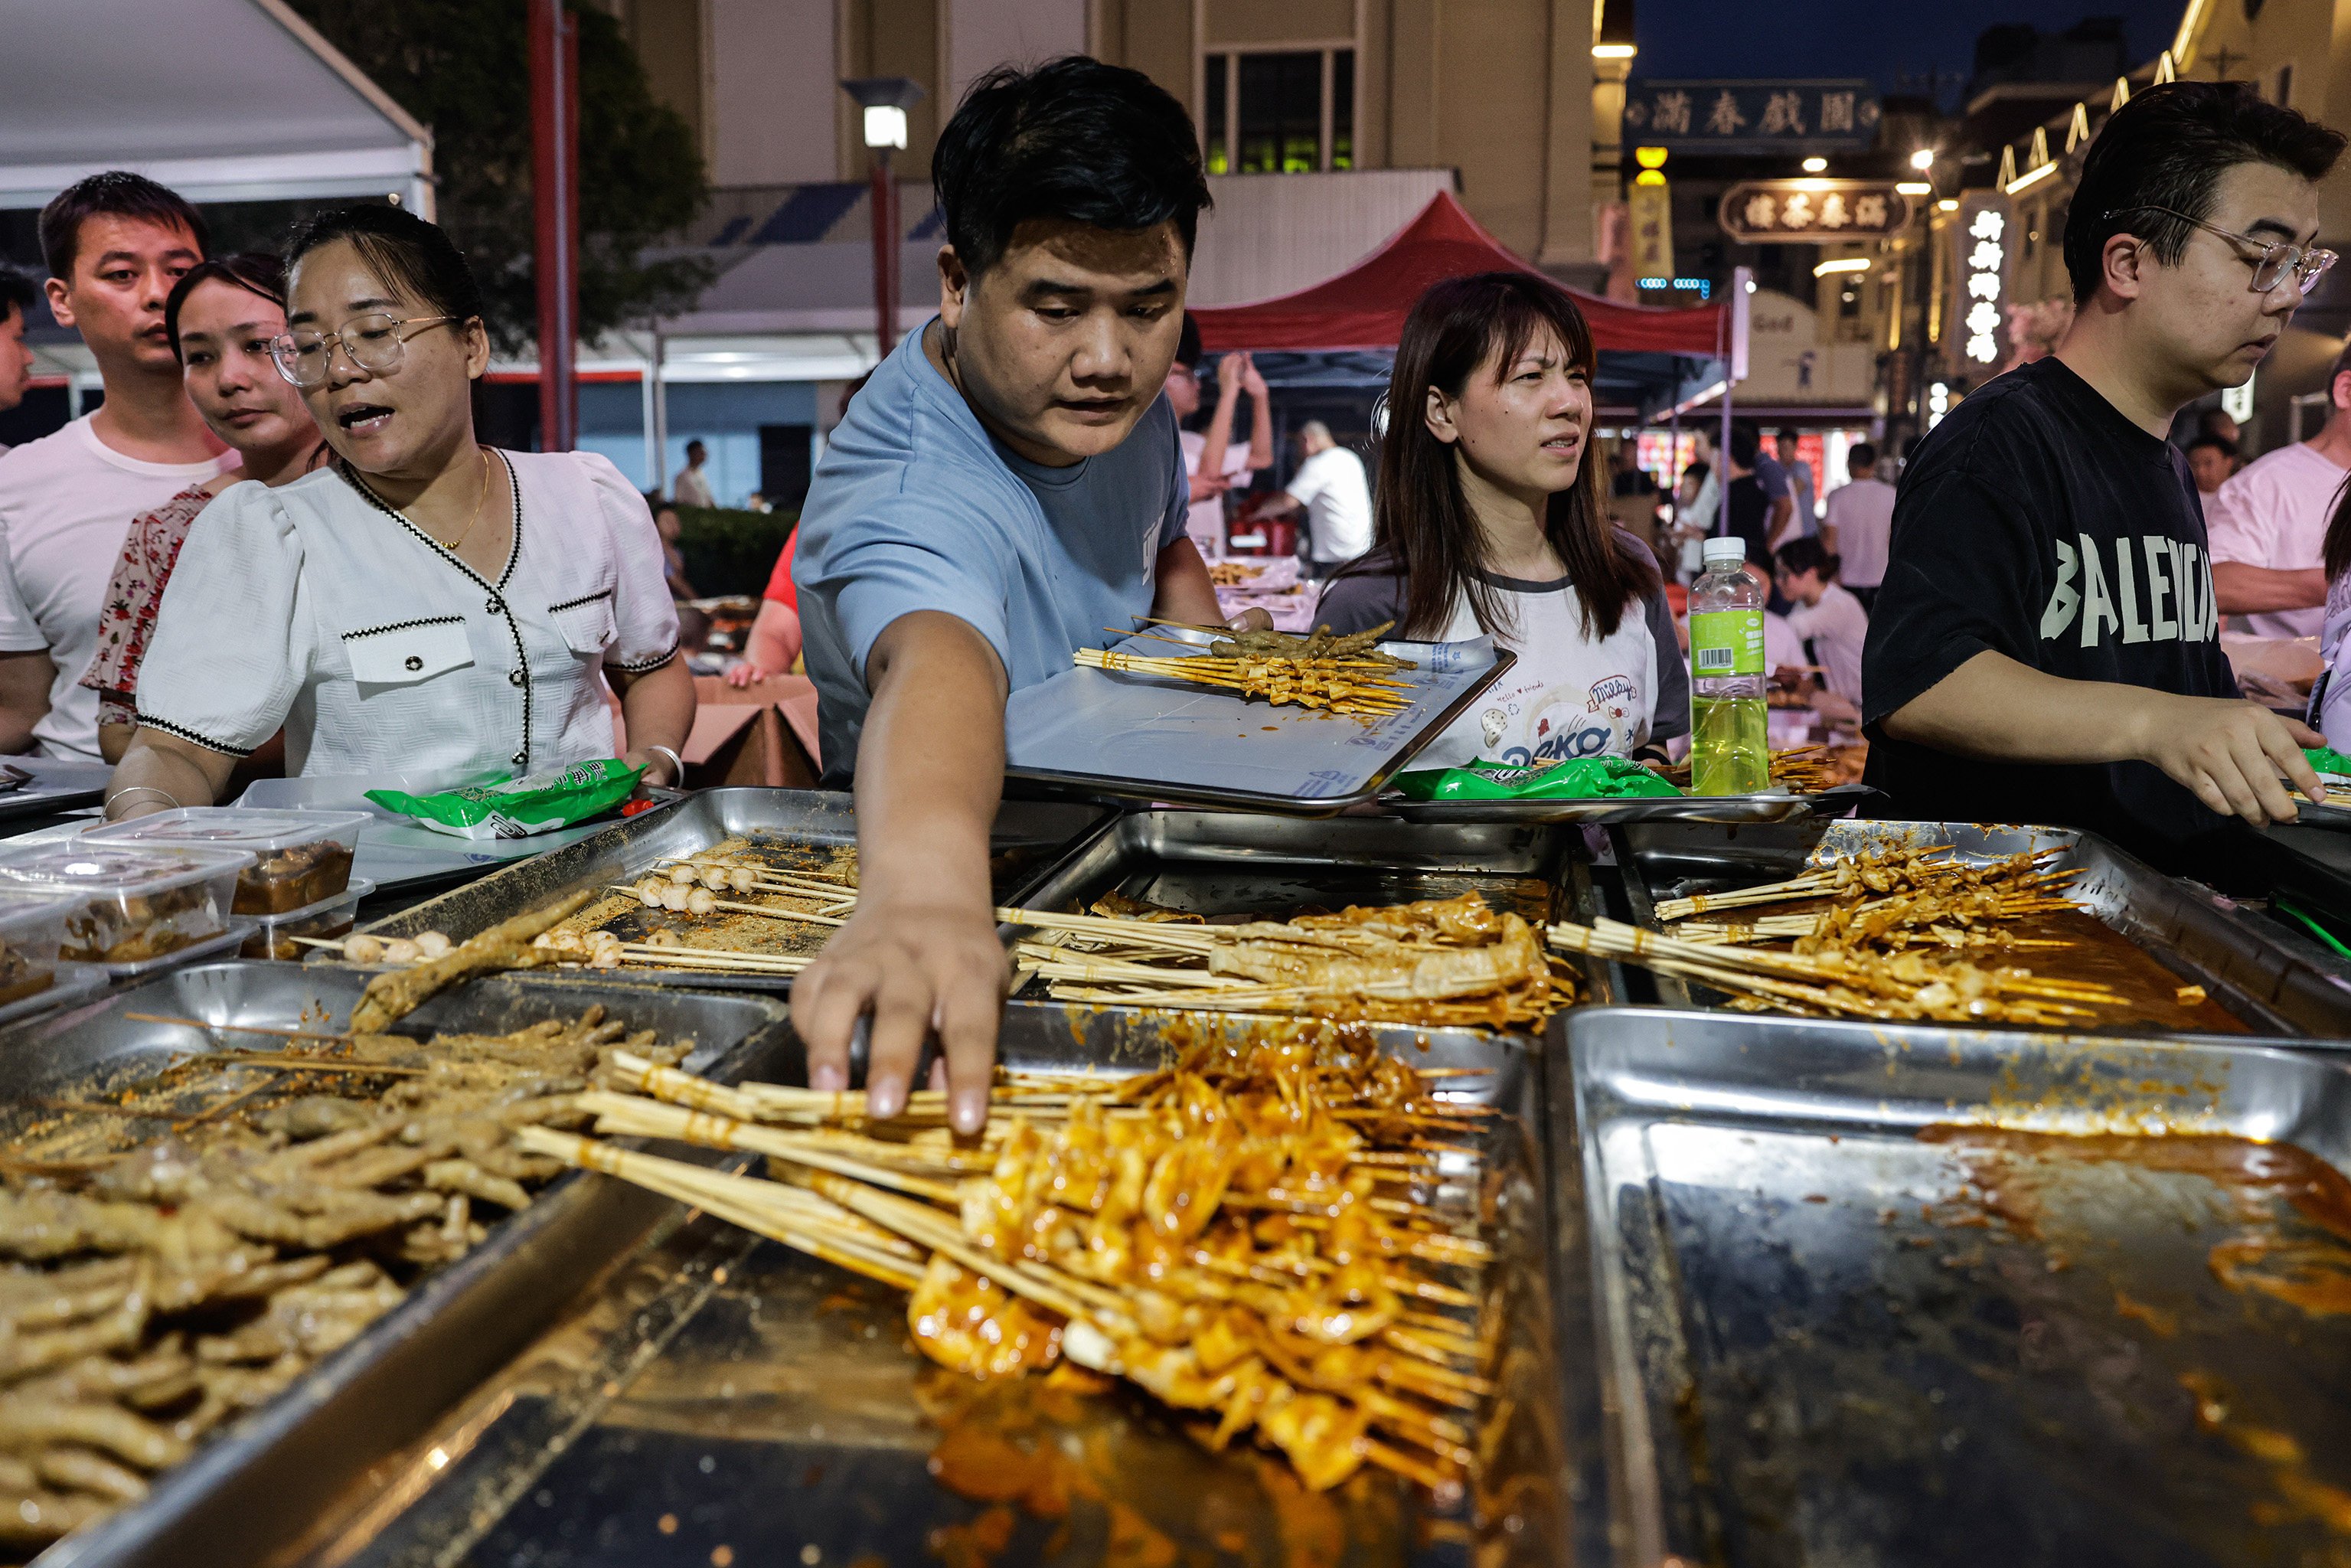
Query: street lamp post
555 211
886 100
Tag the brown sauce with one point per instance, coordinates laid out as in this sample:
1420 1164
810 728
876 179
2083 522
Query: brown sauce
2096 951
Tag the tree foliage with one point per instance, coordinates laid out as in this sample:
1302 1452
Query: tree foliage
463 68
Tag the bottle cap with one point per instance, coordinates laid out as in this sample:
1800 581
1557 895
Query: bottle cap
1725 547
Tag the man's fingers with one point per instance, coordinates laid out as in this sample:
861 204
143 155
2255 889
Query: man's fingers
969 1012
2303 734
2285 746
901 1017
826 1000
2228 772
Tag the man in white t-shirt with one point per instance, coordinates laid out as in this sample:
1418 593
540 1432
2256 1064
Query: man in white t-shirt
2268 526
115 244
1330 488
1860 522
1212 463
16 296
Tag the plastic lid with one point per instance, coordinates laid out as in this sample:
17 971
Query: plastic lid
1726 546
79 867
231 827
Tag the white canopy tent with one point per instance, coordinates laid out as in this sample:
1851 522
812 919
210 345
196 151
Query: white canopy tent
224 100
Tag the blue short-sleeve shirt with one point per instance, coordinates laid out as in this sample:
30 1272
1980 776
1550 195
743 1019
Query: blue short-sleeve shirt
914 507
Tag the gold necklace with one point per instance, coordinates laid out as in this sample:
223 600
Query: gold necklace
453 546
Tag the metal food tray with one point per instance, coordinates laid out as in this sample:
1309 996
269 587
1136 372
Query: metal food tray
2269 978
727 1399
250 1490
1816 1342
1027 839
1150 739
58 784
1214 864
1775 808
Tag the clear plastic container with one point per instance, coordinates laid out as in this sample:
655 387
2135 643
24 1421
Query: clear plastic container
31 929
123 904
273 935
300 858
1731 753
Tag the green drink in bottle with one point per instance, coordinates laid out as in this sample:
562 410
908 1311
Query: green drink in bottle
1731 752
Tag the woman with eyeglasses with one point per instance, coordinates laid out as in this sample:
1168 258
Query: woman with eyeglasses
222 318
423 602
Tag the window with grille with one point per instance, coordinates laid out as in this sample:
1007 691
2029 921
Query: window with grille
1278 112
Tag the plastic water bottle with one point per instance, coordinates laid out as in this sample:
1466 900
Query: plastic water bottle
1731 749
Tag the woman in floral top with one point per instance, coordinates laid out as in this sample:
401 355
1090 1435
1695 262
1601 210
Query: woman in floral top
220 317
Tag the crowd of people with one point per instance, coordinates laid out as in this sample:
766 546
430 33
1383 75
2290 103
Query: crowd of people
278 542
281 529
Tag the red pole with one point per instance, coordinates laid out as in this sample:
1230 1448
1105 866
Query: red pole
555 206
884 203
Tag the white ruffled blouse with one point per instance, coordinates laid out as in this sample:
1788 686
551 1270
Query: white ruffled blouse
319 607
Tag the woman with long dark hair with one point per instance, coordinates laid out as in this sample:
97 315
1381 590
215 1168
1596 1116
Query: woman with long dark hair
1488 520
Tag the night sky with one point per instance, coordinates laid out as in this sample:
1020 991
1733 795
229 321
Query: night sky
1853 37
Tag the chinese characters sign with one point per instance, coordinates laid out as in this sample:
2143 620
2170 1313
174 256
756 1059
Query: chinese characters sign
1779 212
1751 116
1983 240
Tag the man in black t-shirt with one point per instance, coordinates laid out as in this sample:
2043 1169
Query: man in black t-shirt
2045 647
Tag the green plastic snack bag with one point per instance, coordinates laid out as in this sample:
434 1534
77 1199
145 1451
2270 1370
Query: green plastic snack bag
539 803
2331 764
1581 778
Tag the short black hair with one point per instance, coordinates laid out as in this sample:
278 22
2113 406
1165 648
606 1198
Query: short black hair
2220 444
116 194
1804 554
1188 353
17 292
1789 433
252 271
2168 147
1860 454
1070 139
417 257
696 442
1745 443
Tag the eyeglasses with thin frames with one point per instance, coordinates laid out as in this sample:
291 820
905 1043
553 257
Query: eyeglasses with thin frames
2273 258
373 342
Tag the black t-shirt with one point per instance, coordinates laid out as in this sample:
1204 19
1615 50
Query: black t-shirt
1746 512
2038 522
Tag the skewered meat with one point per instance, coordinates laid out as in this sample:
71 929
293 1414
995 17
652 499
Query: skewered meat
506 946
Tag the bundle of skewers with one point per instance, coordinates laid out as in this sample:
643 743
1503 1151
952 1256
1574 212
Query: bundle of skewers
1252 1234
1804 770
1438 963
1347 676
1886 938
181 1250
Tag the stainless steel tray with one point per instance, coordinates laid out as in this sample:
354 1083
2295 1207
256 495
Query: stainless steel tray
1214 863
725 1392
1028 837
252 1489
1348 787
2266 976
1831 802
1816 1342
57 784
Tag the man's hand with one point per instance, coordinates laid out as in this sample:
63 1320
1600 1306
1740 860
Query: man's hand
918 964
1256 618
2230 753
920 953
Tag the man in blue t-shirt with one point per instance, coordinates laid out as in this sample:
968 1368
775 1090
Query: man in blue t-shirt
1007 485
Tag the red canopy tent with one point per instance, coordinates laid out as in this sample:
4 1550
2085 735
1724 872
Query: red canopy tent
1365 306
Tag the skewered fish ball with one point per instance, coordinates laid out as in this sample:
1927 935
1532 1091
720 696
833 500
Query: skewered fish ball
702 901
649 893
400 950
684 872
743 879
717 878
663 936
364 950
432 944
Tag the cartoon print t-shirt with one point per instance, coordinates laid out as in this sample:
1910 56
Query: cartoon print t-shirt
1569 696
